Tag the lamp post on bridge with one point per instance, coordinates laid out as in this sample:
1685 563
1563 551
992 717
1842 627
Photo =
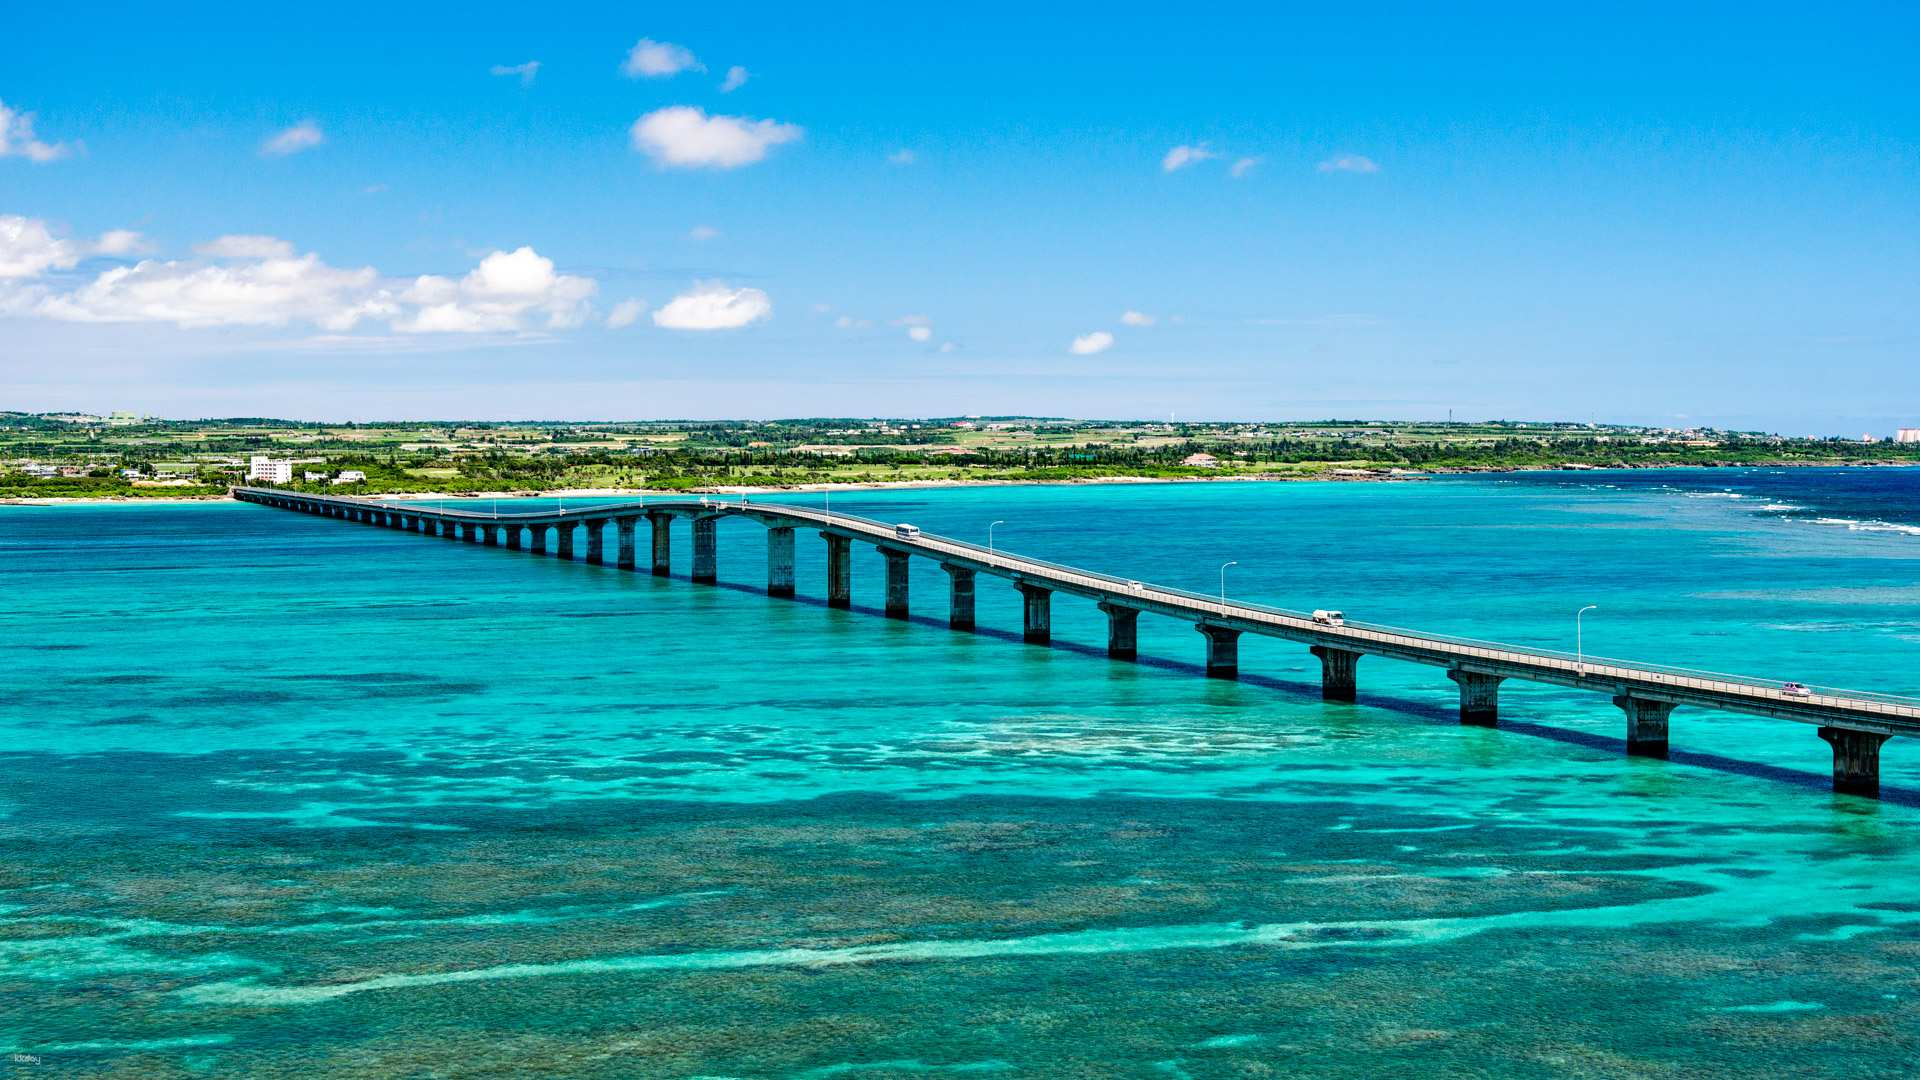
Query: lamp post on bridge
991 561
1579 645
1223 578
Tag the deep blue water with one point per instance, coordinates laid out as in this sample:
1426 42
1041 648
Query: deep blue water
288 796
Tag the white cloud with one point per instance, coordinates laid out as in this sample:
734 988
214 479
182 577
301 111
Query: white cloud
650 59
1353 163
1242 167
304 135
28 248
527 71
240 246
913 320
18 140
948 346
736 78
500 294
257 281
702 232
920 333
1087 344
626 313
268 292
1182 156
1137 318
902 157
684 136
711 305
121 242
848 322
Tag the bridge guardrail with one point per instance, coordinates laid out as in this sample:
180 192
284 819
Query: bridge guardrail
1598 668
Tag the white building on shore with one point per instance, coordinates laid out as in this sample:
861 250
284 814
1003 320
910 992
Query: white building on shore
261 467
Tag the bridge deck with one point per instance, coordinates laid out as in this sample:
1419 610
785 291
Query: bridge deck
1854 710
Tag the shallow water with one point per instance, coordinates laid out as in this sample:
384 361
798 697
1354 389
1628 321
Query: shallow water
289 796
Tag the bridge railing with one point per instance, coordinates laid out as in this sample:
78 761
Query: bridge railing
1586 666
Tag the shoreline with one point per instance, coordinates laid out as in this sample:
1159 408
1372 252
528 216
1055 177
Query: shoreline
1334 476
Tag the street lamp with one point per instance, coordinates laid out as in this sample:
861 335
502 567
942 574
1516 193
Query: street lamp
1223 578
990 559
1579 646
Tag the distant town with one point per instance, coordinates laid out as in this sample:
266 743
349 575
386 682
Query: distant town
124 455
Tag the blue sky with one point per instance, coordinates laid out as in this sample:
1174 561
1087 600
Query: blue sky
1636 214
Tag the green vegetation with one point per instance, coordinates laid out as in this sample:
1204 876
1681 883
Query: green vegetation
67 456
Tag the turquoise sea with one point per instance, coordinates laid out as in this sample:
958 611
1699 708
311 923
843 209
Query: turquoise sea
285 796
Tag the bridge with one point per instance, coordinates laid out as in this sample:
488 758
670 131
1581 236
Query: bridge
1855 724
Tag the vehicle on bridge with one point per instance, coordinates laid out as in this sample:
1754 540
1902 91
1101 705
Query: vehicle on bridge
1795 689
1326 617
907 532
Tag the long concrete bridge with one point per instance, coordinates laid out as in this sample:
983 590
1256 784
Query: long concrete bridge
1855 724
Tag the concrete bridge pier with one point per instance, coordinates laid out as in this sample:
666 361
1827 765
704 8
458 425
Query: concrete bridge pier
662 525
597 541
563 536
839 571
537 539
1479 696
705 563
896 582
960 597
1123 631
1036 614
513 537
474 530
1223 650
1646 725
1339 675
490 535
780 561
1856 760
623 533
